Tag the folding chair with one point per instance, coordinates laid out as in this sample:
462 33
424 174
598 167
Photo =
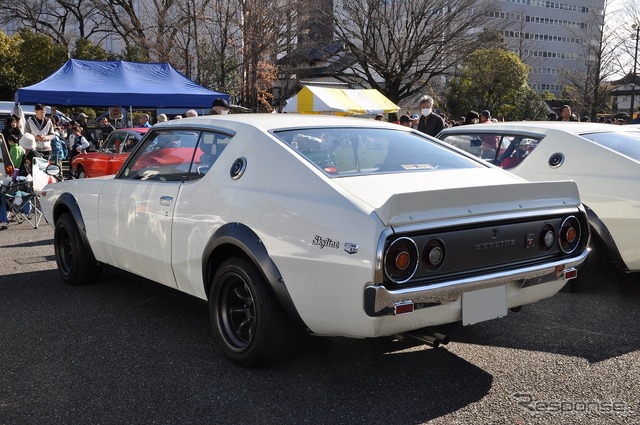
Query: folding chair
23 204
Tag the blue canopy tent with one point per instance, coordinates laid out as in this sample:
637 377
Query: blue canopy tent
118 83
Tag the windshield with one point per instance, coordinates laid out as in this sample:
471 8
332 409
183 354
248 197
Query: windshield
355 151
624 142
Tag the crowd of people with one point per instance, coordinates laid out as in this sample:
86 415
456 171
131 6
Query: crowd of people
431 123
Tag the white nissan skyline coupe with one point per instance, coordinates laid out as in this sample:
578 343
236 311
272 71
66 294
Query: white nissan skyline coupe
331 225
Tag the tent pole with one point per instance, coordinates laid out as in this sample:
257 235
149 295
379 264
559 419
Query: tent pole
130 116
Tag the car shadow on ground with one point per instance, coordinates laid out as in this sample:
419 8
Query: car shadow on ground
136 352
596 323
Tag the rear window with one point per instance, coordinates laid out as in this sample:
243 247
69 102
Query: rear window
356 151
624 142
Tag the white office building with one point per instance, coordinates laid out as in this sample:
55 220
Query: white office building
550 36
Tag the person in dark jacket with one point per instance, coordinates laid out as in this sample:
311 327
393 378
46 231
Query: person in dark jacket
430 123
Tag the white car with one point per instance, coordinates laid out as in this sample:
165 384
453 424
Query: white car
603 159
333 225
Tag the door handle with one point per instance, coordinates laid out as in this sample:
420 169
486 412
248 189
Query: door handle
166 200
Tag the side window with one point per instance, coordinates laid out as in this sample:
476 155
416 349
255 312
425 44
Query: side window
113 143
165 156
209 149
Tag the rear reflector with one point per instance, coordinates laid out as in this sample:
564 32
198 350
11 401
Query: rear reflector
403 307
570 273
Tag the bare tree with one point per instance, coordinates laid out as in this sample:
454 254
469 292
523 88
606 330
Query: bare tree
400 47
61 20
128 21
588 87
262 24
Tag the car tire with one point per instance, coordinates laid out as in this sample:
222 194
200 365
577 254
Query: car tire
248 324
593 271
75 262
81 174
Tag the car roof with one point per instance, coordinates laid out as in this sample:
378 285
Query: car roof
267 122
539 127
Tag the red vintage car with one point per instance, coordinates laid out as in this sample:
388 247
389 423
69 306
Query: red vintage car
111 155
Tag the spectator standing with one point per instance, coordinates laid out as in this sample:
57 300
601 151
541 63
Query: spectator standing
11 127
379 117
82 121
489 142
565 114
430 123
472 117
41 128
415 119
162 118
190 113
219 107
58 148
78 142
143 121
106 128
406 121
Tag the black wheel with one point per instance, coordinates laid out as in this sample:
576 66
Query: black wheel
248 323
81 174
75 263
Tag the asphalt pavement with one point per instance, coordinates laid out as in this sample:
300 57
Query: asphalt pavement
127 351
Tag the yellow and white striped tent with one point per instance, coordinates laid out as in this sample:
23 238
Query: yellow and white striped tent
317 100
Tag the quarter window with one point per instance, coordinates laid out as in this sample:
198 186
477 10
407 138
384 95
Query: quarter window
175 155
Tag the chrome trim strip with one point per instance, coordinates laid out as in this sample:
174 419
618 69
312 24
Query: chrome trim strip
379 299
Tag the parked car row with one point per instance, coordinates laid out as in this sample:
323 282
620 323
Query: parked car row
328 225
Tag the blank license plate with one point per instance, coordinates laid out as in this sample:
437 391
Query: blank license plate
484 304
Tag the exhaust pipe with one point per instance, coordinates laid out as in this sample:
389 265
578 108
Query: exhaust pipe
428 337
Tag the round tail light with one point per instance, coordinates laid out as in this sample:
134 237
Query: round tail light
433 254
547 237
569 234
401 260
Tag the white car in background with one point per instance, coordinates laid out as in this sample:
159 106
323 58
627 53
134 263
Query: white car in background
604 161
337 226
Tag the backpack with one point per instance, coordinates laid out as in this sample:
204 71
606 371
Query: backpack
59 146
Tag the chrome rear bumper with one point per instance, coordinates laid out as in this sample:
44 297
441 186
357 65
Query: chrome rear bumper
380 301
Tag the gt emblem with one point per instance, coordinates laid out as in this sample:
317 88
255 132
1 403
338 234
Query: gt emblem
530 241
350 248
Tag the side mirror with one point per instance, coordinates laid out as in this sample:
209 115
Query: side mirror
53 170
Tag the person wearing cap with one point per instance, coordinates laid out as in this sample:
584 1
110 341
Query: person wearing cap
414 120
41 128
429 123
29 144
82 121
485 117
219 107
406 121
489 142
472 117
